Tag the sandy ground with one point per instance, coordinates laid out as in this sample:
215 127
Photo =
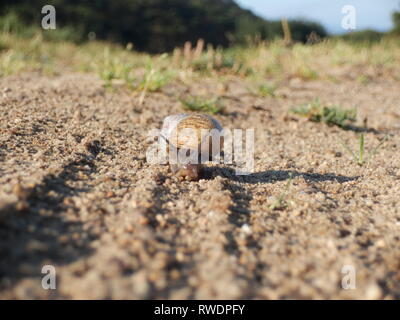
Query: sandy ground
77 193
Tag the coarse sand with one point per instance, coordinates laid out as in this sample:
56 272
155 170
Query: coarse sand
77 193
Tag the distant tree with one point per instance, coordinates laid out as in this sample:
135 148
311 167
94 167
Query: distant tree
301 30
396 22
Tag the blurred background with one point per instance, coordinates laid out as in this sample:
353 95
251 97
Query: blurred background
161 25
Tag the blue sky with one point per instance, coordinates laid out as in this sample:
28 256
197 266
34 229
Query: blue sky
373 14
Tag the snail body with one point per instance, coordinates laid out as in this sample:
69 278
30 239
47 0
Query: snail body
190 134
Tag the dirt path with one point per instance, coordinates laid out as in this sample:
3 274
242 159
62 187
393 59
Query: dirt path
76 192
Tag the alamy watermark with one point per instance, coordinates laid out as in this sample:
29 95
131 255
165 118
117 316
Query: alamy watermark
349 278
49 280
49 20
349 20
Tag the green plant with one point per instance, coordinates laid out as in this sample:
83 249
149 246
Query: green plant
267 90
154 80
216 61
360 159
307 73
108 68
281 202
116 68
108 74
331 115
200 104
363 79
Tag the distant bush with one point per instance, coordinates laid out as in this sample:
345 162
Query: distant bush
370 35
396 22
364 36
11 23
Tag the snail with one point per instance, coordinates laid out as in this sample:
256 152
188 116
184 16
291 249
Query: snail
190 139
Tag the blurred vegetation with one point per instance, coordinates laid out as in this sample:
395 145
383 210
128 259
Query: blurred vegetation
200 104
265 64
396 22
151 25
331 115
363 36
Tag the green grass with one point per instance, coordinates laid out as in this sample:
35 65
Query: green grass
123 69
281 203
306 73
154 79
363 79
115 70
200 104
264 90
360 157
331 115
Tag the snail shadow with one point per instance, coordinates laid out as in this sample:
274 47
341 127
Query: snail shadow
271 176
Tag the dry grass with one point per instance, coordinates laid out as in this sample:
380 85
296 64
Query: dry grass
328 59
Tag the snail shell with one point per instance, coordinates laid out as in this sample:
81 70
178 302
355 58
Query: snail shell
192 132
